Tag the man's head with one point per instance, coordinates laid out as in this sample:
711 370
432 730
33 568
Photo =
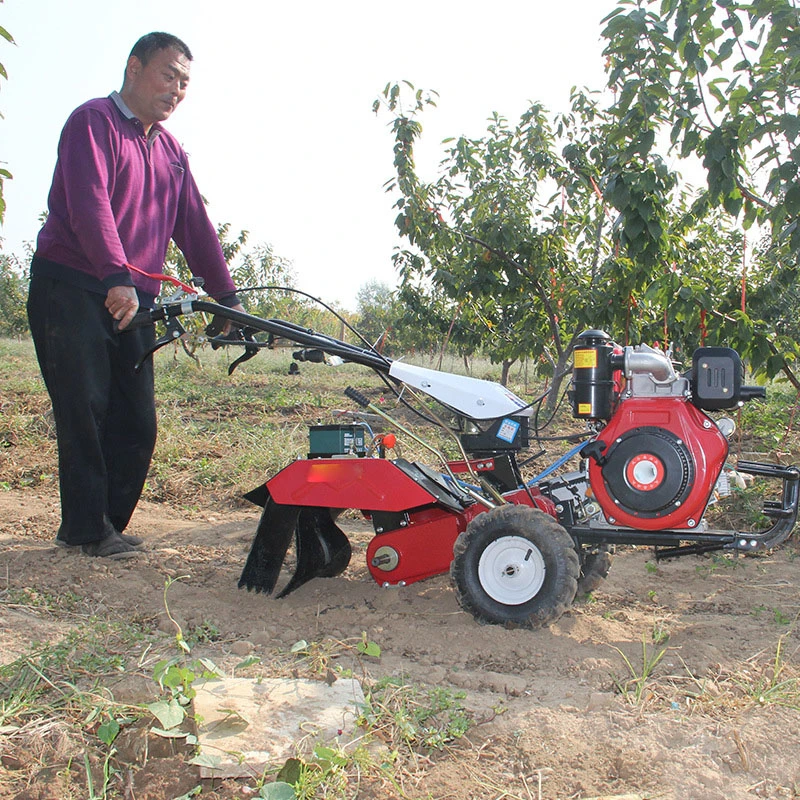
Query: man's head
156 77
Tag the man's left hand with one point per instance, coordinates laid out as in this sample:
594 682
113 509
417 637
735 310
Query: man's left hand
226 328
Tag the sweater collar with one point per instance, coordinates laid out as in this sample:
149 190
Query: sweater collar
155 129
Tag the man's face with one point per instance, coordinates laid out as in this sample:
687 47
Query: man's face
153 90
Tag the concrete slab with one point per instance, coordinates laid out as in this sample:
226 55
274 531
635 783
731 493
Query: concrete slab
250 724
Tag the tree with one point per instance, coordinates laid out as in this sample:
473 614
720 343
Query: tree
471 234
258 271
13 294
533 233
376 307
4 173
719 80
540 229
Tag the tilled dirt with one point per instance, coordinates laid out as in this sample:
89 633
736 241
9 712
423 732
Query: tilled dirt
563 712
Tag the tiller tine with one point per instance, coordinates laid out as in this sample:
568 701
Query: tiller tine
273 537
323 551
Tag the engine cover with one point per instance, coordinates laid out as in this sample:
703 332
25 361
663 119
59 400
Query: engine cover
660 461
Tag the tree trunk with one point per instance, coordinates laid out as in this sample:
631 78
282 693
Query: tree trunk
560 372
507 364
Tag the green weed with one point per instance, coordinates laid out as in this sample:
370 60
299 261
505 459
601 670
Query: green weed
67 679
175 677
414 717
715 562
26 597
324 658
773 684
633 687
660 632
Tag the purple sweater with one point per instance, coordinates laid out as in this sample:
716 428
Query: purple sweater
119 196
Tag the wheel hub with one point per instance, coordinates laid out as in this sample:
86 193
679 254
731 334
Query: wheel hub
511 570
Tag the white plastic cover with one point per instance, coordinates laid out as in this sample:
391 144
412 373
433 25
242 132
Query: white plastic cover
475 398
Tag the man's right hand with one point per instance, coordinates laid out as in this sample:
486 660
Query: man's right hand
122 303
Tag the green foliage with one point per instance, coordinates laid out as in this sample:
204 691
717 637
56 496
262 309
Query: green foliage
775 685
325 770
4 173
376 307
484 260
256 268
175 677
542 228
54 678
720 82
13 296
514 247
266 281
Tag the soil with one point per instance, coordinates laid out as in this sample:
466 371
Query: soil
556 713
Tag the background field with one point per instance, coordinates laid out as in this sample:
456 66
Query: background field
674 680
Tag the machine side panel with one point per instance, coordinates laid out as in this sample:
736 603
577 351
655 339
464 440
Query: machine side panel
373 484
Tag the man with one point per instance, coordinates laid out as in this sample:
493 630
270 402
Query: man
121 190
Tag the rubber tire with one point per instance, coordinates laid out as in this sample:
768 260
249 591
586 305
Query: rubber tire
545 535
594 569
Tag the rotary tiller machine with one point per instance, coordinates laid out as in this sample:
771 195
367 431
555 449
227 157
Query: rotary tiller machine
517 551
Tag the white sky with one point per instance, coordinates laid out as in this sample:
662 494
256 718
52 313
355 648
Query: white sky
278 119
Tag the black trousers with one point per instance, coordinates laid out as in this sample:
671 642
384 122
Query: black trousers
104 411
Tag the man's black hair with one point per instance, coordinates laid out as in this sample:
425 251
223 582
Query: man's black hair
151 43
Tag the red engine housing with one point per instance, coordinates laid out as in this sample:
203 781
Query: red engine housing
661 460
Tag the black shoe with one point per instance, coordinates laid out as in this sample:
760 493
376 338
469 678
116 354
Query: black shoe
113 546
134 541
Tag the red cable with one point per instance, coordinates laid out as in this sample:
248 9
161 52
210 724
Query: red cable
163 278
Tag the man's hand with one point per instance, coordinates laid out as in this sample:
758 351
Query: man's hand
122 303
227 324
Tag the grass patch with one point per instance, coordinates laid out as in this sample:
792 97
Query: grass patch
219 435
414 718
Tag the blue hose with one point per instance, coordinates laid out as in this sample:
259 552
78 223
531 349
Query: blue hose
556 464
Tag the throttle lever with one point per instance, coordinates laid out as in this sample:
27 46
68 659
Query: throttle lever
174 332
243 336
215 328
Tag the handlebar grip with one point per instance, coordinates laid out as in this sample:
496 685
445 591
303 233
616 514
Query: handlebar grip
356 396
141 319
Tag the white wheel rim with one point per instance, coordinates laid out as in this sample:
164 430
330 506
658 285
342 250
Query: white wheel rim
511 570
